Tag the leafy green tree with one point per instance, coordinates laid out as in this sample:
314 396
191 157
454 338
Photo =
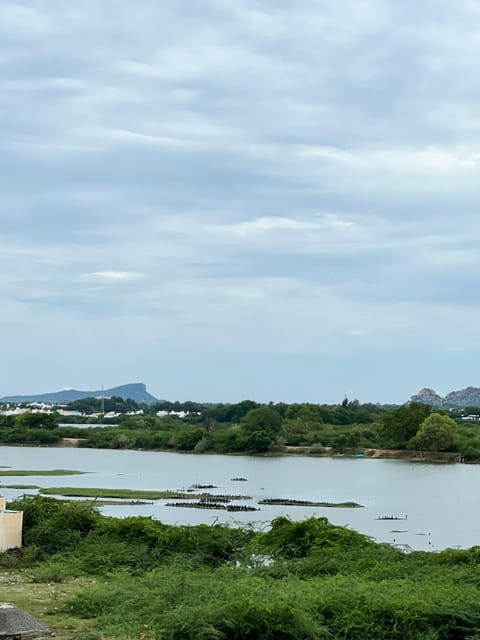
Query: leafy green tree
230 413
33 420
7 422
296 432
262 419
402 424
436 433
260 441
262 427
227 440
123 441
305 412
187 439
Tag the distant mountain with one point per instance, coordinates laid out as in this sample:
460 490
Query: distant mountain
136 391
469 397
428 396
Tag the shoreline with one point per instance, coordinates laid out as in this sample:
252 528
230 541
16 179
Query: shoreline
384 454
316 451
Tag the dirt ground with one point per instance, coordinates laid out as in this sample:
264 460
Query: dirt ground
43 601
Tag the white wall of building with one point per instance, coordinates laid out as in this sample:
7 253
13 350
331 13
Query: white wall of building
11 523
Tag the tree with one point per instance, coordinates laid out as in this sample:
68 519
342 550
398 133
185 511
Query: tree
260 441
261 427
36 420
7 422
436 433
400 425
188 438
262 419
305 412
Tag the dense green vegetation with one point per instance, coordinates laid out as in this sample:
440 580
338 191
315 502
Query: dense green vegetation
294 580
30 428
96 405
248 427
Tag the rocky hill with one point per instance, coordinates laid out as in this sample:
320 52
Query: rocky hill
428 396
135 391
469 397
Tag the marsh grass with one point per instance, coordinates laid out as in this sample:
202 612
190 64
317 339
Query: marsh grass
19 486
41 472
136 494
309 503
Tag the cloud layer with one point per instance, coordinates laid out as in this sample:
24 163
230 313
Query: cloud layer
194 195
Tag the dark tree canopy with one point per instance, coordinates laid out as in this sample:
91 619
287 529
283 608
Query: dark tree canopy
402 424
262 419
32 420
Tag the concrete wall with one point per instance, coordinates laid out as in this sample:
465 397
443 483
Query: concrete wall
10 527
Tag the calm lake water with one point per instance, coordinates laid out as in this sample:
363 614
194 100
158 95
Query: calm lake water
441 501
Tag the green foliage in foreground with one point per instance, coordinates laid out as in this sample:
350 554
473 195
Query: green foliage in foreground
296 580
175 602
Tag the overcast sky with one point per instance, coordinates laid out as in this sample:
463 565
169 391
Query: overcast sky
231 199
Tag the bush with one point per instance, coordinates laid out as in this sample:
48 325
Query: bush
289 539
54 525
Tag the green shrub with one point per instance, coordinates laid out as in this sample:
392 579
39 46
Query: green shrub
289 539
53 525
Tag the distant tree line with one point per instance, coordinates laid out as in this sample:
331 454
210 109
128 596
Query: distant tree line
252 427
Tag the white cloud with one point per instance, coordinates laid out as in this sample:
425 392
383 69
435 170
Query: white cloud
267 224
115 276
142 138
429 160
